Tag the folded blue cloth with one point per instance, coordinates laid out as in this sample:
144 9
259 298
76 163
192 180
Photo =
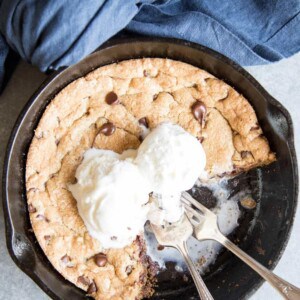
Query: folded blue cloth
3 56
55 33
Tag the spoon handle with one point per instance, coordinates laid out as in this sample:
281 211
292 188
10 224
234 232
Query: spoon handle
201 287
287 290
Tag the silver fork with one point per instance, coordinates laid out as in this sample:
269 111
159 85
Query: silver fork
206 228
175 235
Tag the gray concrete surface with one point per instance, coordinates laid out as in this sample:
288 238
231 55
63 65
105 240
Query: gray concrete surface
282 80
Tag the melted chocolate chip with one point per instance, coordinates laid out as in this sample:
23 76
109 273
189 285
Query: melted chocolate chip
65 259
128 270
141 138
31 208
112 98
144 122
83 280
74 180
201 139
199 111
92 288
100 259
108 129
160 247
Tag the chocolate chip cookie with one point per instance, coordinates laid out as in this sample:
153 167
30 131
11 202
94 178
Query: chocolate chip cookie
110 108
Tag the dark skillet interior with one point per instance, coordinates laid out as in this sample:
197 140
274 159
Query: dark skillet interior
262 233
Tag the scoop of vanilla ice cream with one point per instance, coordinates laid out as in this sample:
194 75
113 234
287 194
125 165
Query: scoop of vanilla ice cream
111 195
112 190
171 158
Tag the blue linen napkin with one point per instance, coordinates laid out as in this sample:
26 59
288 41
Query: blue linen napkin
3 55
55 33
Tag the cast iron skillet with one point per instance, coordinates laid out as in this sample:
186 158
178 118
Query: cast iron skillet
262 233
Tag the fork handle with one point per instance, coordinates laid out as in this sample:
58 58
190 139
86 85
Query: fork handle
201 286
287 290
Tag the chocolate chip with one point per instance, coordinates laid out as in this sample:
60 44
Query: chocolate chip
47 237
108 129
144 122
141 138
92 288
244 154
155 96
160 247
31 208
74 180
112 98
128 270
100 259
254 128
201 139
83 280
65 259
199 111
